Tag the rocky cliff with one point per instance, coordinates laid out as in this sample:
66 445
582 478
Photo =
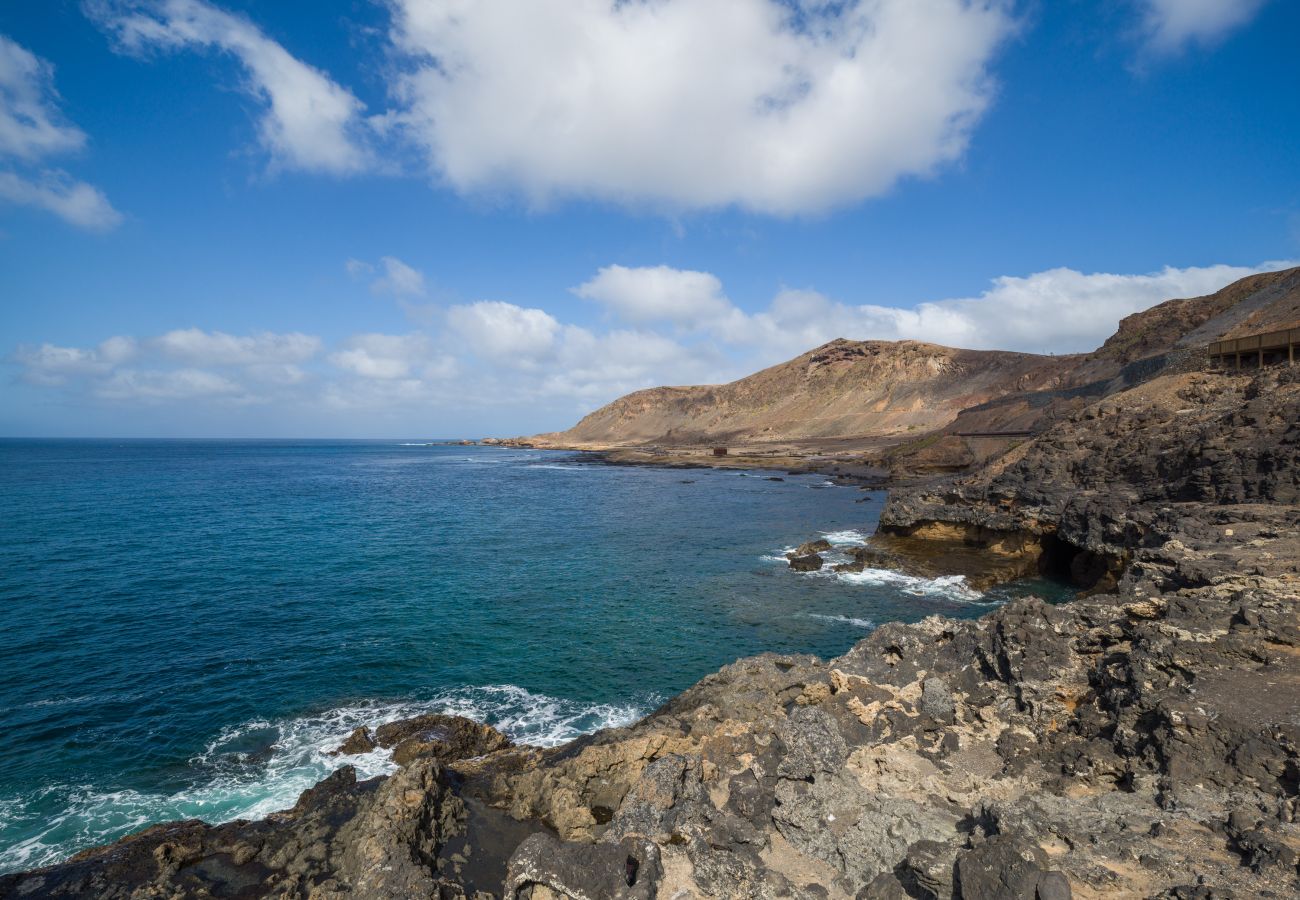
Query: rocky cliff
913 408
1141 741
842 389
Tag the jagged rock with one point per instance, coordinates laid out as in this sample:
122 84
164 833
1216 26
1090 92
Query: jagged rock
810 563
1139 741
1007 868
546 866
359 741
821 545
445 738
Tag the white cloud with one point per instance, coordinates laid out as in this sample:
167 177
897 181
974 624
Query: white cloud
1055 311
389 356
1171 25
309 123
657 294
776 107
32 128
198 347
398 279
496 361
176 384
51 365
504 332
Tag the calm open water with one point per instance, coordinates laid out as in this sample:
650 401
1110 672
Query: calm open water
186 626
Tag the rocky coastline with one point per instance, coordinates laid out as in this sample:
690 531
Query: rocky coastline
1143 740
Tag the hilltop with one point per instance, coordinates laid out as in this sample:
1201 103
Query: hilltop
918 408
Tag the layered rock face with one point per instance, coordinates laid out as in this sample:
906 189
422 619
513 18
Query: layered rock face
842 389
1143 741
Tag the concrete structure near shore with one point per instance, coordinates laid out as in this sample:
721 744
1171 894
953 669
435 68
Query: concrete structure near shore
1257 350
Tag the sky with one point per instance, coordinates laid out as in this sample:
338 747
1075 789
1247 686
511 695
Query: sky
461 218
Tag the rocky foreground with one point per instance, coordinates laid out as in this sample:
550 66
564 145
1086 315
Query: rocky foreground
1142 741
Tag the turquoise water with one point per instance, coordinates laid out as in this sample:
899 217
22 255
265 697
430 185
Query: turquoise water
186 626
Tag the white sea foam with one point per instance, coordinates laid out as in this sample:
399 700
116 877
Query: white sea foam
947 587
847 537
256 768
845 620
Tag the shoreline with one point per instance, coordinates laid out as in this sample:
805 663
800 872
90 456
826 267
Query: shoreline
1143 740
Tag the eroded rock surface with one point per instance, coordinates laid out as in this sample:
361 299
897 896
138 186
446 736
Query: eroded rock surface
1141 741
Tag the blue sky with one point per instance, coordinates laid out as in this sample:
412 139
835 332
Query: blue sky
446 217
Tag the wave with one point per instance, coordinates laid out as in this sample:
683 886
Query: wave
947 587
258 767
847 537
844 620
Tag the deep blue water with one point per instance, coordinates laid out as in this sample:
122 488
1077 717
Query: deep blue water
186 626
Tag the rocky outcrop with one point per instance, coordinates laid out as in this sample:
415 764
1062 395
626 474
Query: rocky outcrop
1140 741
842 389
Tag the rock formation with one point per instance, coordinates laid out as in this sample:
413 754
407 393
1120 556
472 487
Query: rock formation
1140 741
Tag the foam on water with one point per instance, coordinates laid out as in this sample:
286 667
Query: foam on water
947 587
845 620
846 538
256 768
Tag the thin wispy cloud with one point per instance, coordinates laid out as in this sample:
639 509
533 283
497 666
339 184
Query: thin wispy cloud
1172 25
33 132
308 121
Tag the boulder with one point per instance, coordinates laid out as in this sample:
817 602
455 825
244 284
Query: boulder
445 738
359 741
821 545
809 563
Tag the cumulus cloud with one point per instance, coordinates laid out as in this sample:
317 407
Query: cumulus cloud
657 294
309 122
1171 25
32 129
1055 311
388 356
771 106
504 332
531 367
49 364
200 347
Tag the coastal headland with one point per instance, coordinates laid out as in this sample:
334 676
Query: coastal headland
1142 740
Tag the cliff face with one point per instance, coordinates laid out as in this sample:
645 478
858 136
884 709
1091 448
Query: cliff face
903 392
1141 742
842 389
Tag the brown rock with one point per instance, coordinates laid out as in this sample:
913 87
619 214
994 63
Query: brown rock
359 741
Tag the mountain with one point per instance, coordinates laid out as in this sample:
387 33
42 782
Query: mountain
909 405
842 389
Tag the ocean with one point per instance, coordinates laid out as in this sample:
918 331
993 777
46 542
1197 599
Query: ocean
186 627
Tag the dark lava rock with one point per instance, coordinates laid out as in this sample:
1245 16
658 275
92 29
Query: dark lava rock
821 545
809 563
1007 868
445 738
359 741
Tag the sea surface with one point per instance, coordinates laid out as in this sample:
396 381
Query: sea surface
186 627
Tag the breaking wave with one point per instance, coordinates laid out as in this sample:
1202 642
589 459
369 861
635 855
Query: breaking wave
258 767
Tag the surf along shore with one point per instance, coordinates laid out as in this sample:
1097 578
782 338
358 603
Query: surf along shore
1143 740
